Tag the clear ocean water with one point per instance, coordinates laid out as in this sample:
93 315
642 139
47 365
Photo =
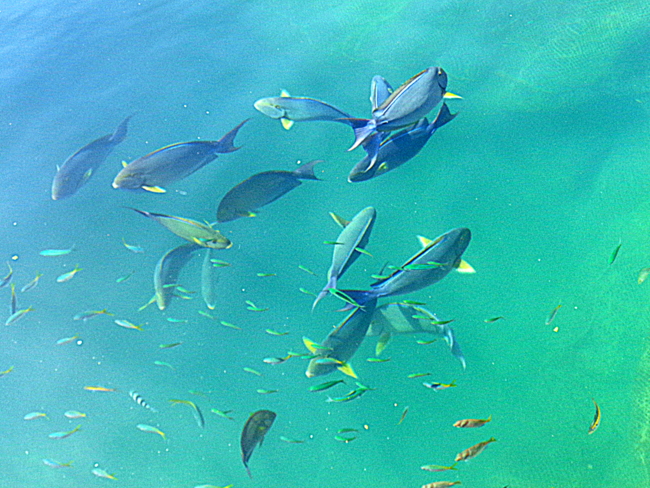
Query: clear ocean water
546 163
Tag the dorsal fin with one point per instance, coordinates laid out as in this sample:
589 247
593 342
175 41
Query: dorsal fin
339 220
284 93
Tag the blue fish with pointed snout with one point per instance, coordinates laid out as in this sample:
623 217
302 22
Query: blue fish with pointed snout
78 168
400 148
405 106
436 259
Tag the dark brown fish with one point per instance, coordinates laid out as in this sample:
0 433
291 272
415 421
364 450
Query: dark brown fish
261 189
253 434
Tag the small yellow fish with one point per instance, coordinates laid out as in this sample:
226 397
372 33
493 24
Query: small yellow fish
596 422
153 430
74 414
6 372
35 415
127 325
31 284
98 388
18 315
69 275
253 371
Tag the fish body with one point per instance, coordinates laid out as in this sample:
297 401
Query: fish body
67 340
354 236
133 248
439 386
596 422
441 484
405 106
89 314
473 451
153 430
31 284
16 316
190 230
102 473
69 275
255 428
172 163
198 415
260 190
56 464
137 398
74 414
13 304
435 468
401 318
56 252
340 345
63 435
7 278
127 325
35 415
78 168
290 109
167 270
99 388
209 279
399 148
446 252
472 423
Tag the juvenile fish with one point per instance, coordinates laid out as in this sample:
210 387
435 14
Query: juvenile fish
471 423
74 414
151 429
56 464
56 252
596 422
63 435
137 398
102 473
198 415
68 276
5 281
16 316
89 314
127 325
35 415
473 451
31 284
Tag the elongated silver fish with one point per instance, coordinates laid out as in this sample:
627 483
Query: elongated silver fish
299 109
137 398
165 277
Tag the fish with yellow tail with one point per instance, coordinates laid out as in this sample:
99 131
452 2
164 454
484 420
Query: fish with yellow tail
473 451
255 428
102 473
596 422
471 423
198 415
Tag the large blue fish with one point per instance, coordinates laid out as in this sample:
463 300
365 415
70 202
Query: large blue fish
172 163
401 318
299 109
340 345
436 259
78 168
261 189
400 147
405 106
353 237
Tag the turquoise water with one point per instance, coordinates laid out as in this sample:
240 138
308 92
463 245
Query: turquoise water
546 163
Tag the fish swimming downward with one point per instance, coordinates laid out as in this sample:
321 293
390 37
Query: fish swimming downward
256 427
78 168
172 163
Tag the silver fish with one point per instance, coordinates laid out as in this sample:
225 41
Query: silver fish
165 278
354 236
299 109
209 278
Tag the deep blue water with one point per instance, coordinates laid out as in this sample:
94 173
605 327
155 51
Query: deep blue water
546 163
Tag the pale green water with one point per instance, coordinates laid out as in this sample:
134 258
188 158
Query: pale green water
546 164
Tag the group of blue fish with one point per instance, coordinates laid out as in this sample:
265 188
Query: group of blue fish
404 109
430 265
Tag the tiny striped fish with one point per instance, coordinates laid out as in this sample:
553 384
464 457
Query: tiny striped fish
135 396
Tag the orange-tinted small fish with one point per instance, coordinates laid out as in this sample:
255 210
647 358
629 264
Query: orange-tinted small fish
473 451
98 388
594 425
470 423
441 484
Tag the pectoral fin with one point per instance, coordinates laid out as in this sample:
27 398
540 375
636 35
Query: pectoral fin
339 220
449 95
464 267
383 341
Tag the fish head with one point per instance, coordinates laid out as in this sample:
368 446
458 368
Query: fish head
270 107
362 171
441 78
61 187
320 366
128 179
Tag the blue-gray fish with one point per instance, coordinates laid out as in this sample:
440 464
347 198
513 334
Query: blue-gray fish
436 259
340 345
400 147
405 106
78 168
209 278
165 278
401 318
354 236
172 163
252 435
261 189
299 109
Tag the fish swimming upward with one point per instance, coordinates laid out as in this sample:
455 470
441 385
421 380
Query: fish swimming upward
78 168
169 266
